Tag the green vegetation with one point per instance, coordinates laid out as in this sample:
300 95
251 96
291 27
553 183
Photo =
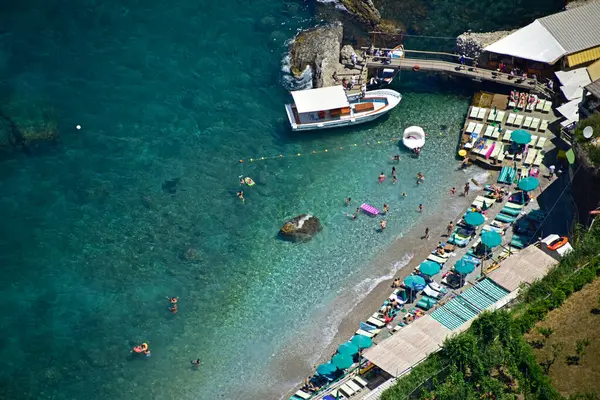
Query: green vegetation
592 150
492 359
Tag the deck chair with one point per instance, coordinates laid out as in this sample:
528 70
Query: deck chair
506 136
474 112
535 124
497 149
531 155
544 125
519 156
511 104
345 389
302 395
527 122
482 113
376 322
496 133
354 386
370 335
510 211
547 107
510 204
502 154
519 120
500 116
470 127
511 119
489 130
437 259
491 117
360 381
540 105
504 218
533 140
478 129
538 160
540 144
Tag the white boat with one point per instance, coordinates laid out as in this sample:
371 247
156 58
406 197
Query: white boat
330 107
414 136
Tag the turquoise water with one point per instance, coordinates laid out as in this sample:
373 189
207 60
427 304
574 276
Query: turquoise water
92 244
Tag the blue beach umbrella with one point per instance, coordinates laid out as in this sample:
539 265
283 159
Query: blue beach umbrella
362 341
414 282
342 361
348 349
528 184
491 239
464 267
429 268
326 369
520 136
474 218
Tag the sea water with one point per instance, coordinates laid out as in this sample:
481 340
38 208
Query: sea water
94 239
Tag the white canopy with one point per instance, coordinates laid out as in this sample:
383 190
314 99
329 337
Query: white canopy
532 42
570 110
322 99
573 82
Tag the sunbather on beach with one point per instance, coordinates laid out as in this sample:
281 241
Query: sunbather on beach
397 283
449 228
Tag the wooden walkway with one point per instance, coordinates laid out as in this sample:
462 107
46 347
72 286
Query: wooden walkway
456 69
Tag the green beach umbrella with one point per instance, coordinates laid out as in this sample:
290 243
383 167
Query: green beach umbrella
342 361
326 369
348 349
520 136
429 268
474 218
491 239
464 267
528 184
362 341
414 282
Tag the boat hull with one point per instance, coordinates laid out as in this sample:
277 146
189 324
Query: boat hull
393 98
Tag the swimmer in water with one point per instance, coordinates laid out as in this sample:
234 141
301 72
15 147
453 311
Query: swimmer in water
395 180
196 363
381 177
355 215
396 157
348 199
173 308
386 208
393 171
172 300
242 182
420 208
453 190
240 196
403 194
383 224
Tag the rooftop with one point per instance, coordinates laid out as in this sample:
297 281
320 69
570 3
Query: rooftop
576 29
322 99
594 88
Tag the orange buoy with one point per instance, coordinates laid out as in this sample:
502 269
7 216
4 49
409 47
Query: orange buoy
416 67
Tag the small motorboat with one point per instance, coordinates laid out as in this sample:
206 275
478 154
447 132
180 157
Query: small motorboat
558 243
414 137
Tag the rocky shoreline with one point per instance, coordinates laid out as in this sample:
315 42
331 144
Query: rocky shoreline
471 44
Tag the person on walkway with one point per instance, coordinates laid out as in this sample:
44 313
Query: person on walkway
427 233
449 229
475 65
354 59
462 60
551 169
467 187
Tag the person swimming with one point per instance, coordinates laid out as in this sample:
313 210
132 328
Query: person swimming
420 207
196 363
395 180
403 194
173 308
383 224
240 196
348 199
453 190
386 208
396 157
172 300
381 177
143 348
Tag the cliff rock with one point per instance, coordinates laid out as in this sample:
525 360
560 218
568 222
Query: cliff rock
472 44
301 228
364 10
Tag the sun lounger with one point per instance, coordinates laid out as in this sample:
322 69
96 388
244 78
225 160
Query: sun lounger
510 204
482 113
547 106
491 117
504 218
523 172
531 155
500 116
346 390
533 140
496 133
540 105
511 211
544 125
527 122
519 120
376 322
501 155
535 124
506 136
478 129
474 112
354 386
489 130
487 228
531 106
437 259
302 395
511 104
470 127
360 381
365 333
540 144
538 160
519 156
511 119
497 150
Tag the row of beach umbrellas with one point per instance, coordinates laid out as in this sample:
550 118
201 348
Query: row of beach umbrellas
346 351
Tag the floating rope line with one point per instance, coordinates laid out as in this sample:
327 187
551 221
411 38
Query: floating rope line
313 152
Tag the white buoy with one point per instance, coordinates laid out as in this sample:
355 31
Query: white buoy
78 127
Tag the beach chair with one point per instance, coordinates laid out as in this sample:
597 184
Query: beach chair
478 129
527 122
496 133
377 323
470 127
502 154
531 155
506 136
511 119
535 124
302 395
510 211
531 106
540 105
500 116
519 156
354 386
519 120
511 104
497 149
345 389
491 117
523 172
538 160
437 259
505 218
489 130
360 381
370 335
544 125
516 206
540 144
482 113
547 106
533 140
474 112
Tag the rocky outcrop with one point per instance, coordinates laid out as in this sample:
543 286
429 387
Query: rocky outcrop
364 10
318 49
301 228
472 44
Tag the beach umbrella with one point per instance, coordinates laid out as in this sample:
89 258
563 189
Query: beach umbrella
342 361
491 239
362 341
348 349
326 369
528 184
474 218
520 136
464 267
414 282
429 268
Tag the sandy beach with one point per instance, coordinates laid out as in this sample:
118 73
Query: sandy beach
409 251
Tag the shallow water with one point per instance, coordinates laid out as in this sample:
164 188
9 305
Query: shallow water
92 244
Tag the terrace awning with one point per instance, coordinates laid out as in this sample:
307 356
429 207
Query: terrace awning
321 99
573 82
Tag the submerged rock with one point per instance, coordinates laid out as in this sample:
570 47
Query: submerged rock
170 186
301 228
319 49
